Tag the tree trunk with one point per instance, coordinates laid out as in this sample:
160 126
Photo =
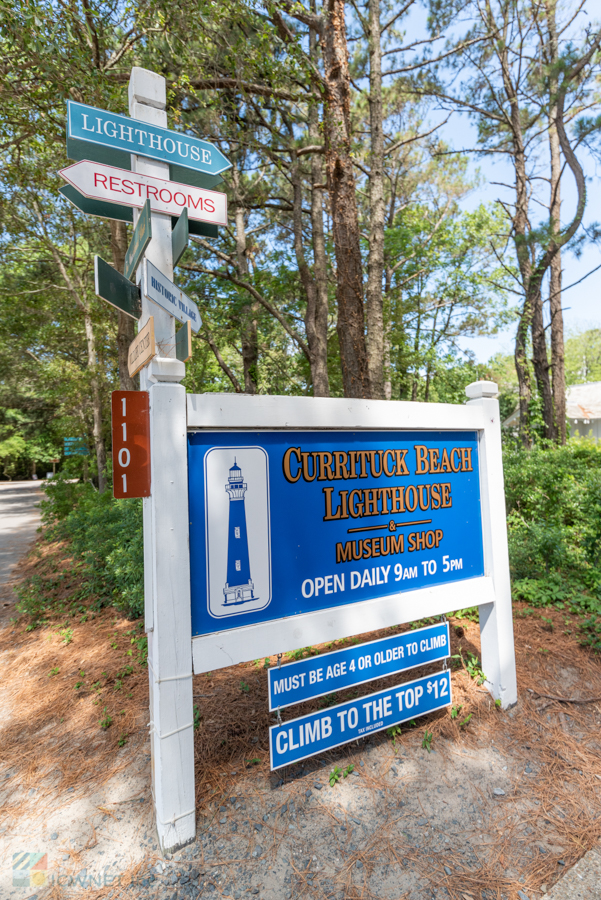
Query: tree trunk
345 221
539 357
558 373
126 329
375 262
318 359
319 368
523 373
96 403
249 330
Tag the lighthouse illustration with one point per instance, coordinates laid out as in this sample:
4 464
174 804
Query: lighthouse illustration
239 587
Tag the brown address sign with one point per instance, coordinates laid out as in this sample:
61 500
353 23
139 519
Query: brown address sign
131 444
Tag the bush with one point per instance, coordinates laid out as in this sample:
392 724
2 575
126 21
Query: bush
553 497
106 534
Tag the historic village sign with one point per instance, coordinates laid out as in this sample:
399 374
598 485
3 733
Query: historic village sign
272 523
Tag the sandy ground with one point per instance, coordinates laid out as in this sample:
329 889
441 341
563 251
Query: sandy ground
501 807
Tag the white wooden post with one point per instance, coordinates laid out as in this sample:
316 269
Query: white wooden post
496 619
167 609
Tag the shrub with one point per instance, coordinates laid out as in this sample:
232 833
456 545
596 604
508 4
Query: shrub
107 535
553 497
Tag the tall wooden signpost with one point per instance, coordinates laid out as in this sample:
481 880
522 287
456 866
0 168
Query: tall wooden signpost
136 170
353 516
166 552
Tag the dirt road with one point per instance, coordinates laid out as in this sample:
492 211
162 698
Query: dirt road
19 519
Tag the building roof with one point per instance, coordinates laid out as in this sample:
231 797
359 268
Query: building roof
583 401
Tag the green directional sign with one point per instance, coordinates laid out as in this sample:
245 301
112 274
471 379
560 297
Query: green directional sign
139 242
98 207
202 229
179 236
116 289
183 343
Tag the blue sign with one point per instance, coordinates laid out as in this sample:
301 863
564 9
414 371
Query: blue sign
320 731
285 523
330 672
97 126
75 446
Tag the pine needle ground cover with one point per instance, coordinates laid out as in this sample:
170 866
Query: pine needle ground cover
78 701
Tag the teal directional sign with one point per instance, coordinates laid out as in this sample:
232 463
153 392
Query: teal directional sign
180 236
125 135
141 238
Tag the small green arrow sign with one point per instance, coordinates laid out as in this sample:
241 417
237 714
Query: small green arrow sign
179 236
183 343
98 207
139 242
116 289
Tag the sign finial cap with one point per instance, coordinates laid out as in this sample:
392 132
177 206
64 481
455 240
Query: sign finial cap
478 389
147 87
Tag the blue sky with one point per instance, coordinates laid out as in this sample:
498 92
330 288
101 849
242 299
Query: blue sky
582 304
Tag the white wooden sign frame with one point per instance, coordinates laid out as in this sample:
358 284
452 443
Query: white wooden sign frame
173 655
491 592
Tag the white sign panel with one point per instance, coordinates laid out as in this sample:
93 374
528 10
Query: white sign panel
158 288
238 545
108 183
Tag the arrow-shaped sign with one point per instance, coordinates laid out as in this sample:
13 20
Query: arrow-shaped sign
161 290
100 182
140 240
183 343
116 289
179 237
125 213
97 126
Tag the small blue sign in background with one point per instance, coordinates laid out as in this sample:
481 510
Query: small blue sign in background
320 731
320 675
333 518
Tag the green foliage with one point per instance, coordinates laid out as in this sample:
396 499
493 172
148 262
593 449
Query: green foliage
106 535
583 357
553 497
471 613
427 741
472 666
300 653
336 774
